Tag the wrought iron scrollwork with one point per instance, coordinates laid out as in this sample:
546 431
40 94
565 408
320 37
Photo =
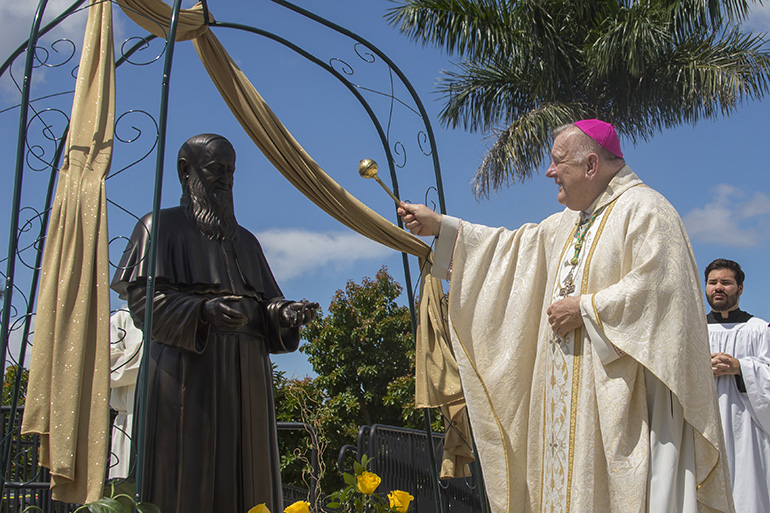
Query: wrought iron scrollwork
140 47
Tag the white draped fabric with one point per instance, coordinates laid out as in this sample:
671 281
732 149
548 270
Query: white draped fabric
746 415
576 424
125 357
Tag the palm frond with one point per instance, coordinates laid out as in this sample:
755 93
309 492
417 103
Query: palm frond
693 15
530 65
630 42
483 95
468 27
700 79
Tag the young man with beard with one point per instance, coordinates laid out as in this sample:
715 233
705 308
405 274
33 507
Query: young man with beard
740 360
210 442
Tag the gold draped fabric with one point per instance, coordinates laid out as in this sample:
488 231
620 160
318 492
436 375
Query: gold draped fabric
69 376
438 382
68 391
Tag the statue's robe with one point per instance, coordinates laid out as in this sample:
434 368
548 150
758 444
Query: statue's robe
210 437
564 426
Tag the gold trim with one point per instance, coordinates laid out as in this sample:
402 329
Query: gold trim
584 282
577 347
578 357
596 313
542 455
599 230
545 409
494 415
566 245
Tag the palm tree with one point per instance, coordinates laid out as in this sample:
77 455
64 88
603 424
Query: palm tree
529 66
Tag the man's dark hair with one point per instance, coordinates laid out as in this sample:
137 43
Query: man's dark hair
723 263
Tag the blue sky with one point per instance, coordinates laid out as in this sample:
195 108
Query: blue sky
715 173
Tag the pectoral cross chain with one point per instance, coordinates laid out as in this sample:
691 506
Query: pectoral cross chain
568 287
566 290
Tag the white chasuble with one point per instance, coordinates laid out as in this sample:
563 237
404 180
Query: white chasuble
563 425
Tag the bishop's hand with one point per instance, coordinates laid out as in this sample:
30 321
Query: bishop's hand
294 314
419 219
564 315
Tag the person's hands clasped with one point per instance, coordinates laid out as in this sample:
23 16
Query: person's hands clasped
224 311
723 364
298 313
564 315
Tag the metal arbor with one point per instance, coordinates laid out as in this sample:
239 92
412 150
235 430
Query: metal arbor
42 71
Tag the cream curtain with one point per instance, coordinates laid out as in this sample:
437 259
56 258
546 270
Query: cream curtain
68 390
67 401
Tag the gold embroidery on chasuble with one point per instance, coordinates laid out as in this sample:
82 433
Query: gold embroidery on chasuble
562 383
498 424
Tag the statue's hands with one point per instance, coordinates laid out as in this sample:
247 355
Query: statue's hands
224 311
298 313
419 219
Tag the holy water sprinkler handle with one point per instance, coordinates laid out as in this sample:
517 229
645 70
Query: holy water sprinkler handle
367 168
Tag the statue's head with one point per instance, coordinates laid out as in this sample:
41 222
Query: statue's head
206 165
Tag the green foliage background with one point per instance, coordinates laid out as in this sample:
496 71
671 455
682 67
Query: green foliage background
9 381
363 353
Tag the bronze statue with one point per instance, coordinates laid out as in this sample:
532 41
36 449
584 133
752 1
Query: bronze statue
210 443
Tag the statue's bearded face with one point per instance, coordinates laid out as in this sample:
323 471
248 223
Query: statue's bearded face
210 185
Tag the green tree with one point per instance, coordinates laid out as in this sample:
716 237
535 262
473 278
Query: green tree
527 66
298 400
9 381
360 348
363 354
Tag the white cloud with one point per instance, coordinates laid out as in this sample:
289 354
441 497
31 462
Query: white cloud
16 24
17 21
757 205
733 217
293 253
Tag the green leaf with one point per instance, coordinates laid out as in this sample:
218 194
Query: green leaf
350 480
105 505
147 507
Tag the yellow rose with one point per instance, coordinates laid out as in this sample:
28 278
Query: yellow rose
298 507
259 508
400 500
368 482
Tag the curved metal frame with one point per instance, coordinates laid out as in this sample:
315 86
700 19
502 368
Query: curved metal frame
30 46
